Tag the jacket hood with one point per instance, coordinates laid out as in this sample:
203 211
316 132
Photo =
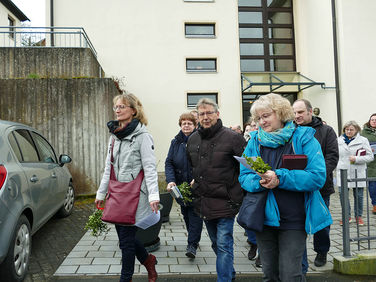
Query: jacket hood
140 129
316 121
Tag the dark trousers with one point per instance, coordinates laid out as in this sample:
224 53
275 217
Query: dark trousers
194 225
281 253
130 248
321 240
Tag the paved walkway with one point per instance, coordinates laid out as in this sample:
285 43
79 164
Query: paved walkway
101 255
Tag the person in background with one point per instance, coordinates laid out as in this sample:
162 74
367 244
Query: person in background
354 154
195 114
327 139
291 194
178 170
249 127
133 150
369 132
217 194
237 128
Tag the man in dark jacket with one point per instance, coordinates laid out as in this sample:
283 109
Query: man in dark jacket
216 189
329 146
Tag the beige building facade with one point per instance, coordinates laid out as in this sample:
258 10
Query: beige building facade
170 53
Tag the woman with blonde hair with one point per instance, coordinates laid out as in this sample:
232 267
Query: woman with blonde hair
294 206
133 151
354 154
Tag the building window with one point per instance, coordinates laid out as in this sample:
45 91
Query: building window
266 35
199 30
11 24
193 98
201 65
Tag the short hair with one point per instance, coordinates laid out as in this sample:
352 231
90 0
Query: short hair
187 116
134 103
306 103
368 123
353 123
280 105
207 101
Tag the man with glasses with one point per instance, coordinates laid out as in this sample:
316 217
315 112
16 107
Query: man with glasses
217 194
329 146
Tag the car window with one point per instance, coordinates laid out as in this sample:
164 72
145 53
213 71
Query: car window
14 145
45 150
26 144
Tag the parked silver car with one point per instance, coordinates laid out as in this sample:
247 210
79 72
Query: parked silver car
34 185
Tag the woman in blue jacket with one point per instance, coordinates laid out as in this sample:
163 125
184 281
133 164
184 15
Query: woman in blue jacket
178 170
294 206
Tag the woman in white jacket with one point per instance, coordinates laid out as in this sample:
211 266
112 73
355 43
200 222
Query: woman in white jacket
133 150
354 154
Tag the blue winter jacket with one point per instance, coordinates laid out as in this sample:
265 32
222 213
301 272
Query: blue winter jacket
309 180
177 166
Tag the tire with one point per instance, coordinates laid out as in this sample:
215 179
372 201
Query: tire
68 205
16 263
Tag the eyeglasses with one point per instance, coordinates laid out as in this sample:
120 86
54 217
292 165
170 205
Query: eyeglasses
264 116
120 107
206 113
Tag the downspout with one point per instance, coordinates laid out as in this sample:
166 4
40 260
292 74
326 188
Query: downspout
52 22
336 72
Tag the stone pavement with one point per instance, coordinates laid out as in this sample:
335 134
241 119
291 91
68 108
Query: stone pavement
101 255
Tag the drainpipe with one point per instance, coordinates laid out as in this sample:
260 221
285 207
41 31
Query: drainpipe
52 22
336 73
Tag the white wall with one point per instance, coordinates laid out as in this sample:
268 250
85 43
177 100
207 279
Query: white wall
143 41
5 39
314 45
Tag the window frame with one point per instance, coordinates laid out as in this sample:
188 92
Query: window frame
21 150
265 40
39 150
213 35
11 24
202 93
202 70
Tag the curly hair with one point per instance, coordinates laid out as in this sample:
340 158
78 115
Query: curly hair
134 103
280 105
187 116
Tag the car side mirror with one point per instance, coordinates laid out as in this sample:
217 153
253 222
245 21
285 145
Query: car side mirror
64 159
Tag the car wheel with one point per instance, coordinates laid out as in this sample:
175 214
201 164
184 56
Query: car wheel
16 263
67 207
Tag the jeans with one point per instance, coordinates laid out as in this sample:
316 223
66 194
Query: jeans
321 240
251 236
130 247
194 225
281 253
372 192
221 235
358 202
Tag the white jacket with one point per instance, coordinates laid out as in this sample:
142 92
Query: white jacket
131 154
360 165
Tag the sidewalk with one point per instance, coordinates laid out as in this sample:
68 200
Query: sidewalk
101 256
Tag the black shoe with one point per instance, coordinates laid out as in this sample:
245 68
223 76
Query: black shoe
252 251
320 260
258 261
191 252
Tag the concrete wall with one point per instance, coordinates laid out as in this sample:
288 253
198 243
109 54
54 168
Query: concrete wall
314 48
71 113
48 63
144 42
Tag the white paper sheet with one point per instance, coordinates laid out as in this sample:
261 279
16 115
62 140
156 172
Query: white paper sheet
373 147
243 161
150 220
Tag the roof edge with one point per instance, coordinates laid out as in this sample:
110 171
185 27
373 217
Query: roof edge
15 10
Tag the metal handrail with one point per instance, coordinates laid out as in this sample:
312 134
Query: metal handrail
16 32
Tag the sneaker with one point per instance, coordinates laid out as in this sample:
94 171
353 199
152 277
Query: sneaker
340 222
320 260
252 251
374 210
360 221
258 261
191 252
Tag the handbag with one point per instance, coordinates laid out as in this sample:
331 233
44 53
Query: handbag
122 198
252 211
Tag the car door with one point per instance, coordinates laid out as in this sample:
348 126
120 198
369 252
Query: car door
49 161
38 176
